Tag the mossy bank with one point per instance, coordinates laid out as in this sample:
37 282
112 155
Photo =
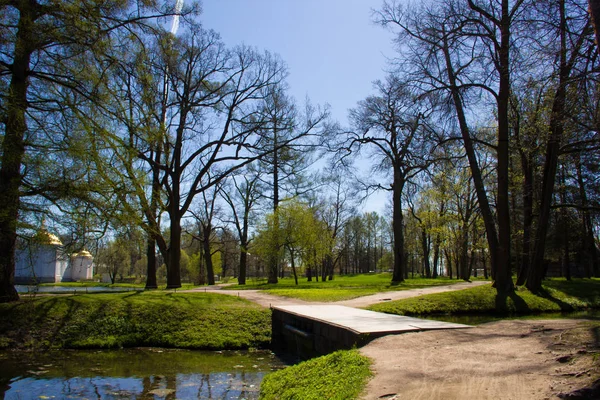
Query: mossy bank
558 295
162 319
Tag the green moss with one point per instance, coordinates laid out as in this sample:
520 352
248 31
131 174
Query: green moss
339 375
183 320
558 295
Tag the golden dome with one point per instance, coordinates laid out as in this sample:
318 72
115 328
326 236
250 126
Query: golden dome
45 237
84 254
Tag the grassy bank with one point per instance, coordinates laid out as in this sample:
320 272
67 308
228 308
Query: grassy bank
558 295
341 288
340 375
183 320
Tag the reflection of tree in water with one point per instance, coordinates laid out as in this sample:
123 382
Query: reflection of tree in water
152 386
171 385
205 379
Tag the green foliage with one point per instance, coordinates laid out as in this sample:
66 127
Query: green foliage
558 295
166 319
340 375
294 229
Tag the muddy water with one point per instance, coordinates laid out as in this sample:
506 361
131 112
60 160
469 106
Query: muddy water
134 374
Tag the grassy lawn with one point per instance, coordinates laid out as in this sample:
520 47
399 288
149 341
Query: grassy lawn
340 375
183 320
112 285
341 288
559 295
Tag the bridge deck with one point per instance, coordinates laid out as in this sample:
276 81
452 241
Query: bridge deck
364 321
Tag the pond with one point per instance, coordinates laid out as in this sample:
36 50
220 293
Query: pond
144 373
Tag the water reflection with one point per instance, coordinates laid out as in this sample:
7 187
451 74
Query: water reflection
135 374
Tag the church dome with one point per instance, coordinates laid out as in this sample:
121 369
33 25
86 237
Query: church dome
45 237
84 254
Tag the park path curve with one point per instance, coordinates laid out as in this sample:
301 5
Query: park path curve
269 300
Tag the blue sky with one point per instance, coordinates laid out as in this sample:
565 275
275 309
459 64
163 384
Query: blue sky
333 50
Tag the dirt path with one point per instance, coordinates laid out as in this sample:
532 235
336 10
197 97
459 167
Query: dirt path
268 300
501 360
366 301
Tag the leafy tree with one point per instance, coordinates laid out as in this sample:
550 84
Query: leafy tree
114 259
283 168
392 124
294 229
40 42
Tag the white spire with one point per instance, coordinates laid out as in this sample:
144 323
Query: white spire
175 25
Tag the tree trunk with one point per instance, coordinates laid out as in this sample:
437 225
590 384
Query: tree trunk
463 268
400 269
13 150
527 218
484 205
210 271
274 259
151 267
436 255
173 270
426 250
503 276
293 266
590 255
449 262
536 272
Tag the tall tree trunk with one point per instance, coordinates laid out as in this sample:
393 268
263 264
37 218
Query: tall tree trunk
210 271
151 266
564 223
173 270
527 218
536 272
436 255
590 254
13 149
153 223
449 262
463 268
274 259
484 205
400 269
243 266
426 250
503 277
293 263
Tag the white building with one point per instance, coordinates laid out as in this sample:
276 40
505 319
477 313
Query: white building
44 261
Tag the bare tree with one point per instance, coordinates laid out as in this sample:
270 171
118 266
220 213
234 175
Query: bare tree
242 194
392 125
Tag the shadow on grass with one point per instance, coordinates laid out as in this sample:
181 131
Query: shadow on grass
563 306
520 305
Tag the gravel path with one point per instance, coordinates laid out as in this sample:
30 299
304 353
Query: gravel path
516 360
268 300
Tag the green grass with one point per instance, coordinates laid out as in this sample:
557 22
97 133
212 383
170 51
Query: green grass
558 295
341 288
182 320
184 286
340 375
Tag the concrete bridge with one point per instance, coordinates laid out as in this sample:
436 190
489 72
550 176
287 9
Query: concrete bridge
313 330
